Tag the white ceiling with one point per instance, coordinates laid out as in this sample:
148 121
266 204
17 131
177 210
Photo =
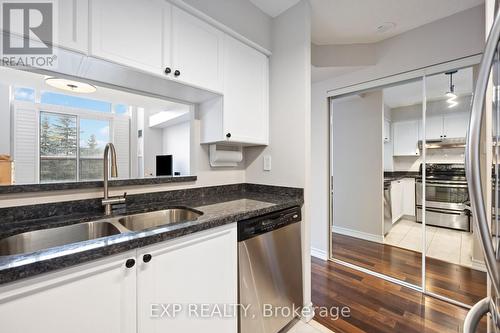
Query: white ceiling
436 87
274 8
356 21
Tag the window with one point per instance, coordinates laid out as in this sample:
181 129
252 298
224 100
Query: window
58 147
94 135
48 97
121 109
24 94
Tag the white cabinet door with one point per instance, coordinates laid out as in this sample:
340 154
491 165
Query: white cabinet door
408 196
132 33
396 200
434 128
196 269
405 138
387 130
73 25
197 49
456 125
246 102
95 297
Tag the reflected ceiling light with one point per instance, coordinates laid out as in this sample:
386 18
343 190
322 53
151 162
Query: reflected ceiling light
452 97
70 85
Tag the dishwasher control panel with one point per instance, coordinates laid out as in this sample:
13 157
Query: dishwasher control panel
267 223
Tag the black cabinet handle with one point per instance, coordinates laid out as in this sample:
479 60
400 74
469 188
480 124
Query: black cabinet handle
130 263
177 73
147 258
168 70
228 135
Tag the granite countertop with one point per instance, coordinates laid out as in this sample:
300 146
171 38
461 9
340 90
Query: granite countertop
219 205
390 176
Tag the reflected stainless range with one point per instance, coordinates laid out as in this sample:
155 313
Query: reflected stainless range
447 196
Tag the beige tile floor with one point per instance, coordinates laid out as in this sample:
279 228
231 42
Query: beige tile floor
445 244
311 327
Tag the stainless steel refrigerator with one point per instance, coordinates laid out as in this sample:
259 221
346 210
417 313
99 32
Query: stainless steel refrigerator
483 175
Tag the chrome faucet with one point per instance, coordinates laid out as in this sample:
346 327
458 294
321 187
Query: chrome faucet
107 202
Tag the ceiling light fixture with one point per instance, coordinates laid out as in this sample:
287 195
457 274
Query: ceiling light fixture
70 85
386 26
452 97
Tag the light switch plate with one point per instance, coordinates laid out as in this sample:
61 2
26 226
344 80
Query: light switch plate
267 163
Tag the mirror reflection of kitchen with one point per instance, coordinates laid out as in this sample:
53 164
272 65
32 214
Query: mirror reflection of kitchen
54 131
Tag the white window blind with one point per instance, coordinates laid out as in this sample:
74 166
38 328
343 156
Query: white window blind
25 145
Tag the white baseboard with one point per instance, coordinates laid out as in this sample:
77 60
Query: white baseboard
479 265
320 254
358 234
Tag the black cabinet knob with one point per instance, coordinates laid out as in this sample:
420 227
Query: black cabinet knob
168 70
147 258
177 73
130 263
228 135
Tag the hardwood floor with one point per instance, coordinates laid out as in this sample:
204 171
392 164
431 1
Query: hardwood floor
379 306
454 281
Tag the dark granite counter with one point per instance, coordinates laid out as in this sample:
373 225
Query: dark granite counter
13 189
390 176
220 205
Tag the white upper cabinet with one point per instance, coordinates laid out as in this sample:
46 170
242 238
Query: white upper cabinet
246 101
196 51
131 32
456 125
434 128
73 25
406 138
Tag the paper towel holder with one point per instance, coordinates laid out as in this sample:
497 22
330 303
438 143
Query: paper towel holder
225 156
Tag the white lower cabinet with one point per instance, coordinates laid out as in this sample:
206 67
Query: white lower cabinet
96 297
402 198
107 296
190 273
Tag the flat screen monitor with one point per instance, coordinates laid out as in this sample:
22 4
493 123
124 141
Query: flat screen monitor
164 165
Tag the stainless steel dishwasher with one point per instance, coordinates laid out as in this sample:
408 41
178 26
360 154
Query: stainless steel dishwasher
270 271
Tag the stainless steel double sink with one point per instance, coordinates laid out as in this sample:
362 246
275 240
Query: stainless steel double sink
37 240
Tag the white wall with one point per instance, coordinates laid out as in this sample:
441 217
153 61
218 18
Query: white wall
358 165
152 144
425 46
4 119
177 142
290 117
241 16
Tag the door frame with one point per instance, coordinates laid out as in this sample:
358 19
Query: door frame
380 83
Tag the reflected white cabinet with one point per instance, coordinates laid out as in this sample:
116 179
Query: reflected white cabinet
73 29
406 138
456 125
132 33
197 49
94 297
396 200
434 128
448 126
387 130
242 115
402 198
409 196
196 269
